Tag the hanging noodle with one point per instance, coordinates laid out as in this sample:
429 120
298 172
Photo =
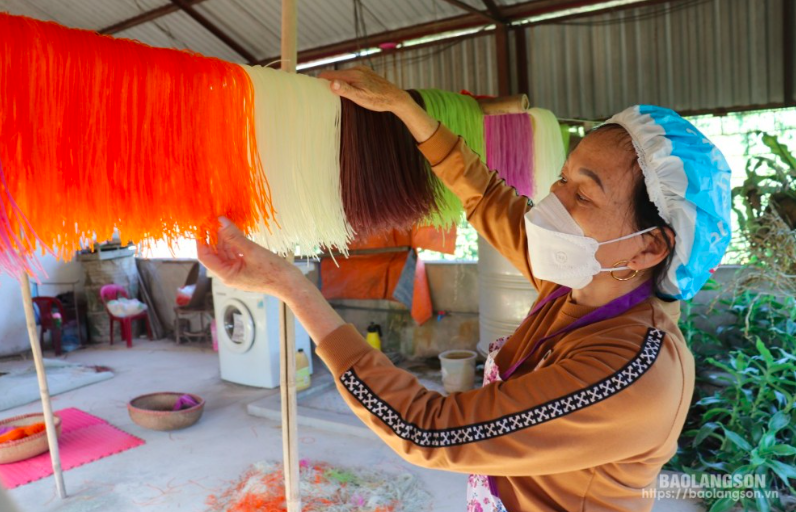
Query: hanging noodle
548 155
509 149
298 136
15 246
463 116
386 182
99 133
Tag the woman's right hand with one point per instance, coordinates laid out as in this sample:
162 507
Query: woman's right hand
368 89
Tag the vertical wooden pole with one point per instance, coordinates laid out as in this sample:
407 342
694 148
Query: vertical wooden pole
44 390
502 57
521 61
287 335
788 49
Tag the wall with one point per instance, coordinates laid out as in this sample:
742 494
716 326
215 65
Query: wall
454 289
468 64
711 55
13 333
163 276
719 54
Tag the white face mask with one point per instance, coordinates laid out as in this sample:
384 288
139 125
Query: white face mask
558 249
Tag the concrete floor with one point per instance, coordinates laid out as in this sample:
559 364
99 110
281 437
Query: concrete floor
178 470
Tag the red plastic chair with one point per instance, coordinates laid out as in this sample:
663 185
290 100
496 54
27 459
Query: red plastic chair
111 292
47 306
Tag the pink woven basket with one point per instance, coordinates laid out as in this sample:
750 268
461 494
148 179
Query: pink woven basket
25 448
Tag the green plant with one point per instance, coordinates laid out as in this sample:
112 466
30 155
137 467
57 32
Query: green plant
703 341
746 427
743 419
765 205
770 186
770 317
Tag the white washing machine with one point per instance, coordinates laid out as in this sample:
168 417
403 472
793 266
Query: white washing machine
247 326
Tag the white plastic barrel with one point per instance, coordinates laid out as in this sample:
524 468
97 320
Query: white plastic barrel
505 296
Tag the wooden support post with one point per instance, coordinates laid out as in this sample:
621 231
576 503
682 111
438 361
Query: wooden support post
521 58
788 49
502 57
287 334
44 390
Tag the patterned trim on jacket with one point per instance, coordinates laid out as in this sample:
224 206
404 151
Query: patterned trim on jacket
542 413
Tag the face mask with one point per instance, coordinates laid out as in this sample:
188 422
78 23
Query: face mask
558 249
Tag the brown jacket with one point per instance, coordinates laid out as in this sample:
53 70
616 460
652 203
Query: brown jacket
588 430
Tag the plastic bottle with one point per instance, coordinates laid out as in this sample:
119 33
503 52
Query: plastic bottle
302 371
58 320
374 336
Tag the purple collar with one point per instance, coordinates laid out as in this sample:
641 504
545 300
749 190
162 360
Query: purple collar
613 309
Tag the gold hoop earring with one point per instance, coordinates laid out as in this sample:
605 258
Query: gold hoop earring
628 278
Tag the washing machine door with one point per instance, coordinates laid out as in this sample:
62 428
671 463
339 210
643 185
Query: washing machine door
237 327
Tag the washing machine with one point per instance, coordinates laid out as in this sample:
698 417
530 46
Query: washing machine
247 326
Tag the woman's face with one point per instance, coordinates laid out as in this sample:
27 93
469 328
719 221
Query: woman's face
596 187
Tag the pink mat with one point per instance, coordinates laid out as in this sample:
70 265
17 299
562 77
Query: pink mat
84 438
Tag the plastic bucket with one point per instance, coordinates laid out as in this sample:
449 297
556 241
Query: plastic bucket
458 370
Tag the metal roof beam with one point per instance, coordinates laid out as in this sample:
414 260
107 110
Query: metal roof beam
145 17
472 10
513 12
493 9
188 9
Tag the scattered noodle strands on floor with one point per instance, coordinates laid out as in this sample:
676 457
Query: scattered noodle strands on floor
298 136
323 488
548 151
99 133
509 149
463 116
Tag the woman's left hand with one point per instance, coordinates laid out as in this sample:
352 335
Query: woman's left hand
243 264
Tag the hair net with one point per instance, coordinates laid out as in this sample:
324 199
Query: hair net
688 180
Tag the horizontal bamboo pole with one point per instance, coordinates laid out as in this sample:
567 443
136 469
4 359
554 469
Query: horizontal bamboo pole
516 104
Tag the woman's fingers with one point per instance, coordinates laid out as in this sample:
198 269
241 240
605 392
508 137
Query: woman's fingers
345 75
366 88
209 258
233 238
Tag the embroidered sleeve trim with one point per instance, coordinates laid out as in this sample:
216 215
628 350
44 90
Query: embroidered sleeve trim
514 422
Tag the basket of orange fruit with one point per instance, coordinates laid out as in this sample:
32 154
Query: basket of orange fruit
23 437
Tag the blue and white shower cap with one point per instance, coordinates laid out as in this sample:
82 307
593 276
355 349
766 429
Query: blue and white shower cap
688 180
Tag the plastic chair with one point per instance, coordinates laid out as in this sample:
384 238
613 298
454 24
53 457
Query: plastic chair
111 292
46 306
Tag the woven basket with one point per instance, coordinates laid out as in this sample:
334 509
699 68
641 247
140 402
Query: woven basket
155 411
21 449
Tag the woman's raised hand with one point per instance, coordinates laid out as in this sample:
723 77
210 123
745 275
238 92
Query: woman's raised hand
368 89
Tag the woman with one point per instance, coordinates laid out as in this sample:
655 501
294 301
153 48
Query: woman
600 376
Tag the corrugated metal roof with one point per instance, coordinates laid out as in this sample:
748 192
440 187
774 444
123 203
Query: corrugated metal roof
255 24
88 14
320 22
691 55
710 55
468 64
178 30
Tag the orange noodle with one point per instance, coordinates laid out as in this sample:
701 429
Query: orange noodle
98 134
